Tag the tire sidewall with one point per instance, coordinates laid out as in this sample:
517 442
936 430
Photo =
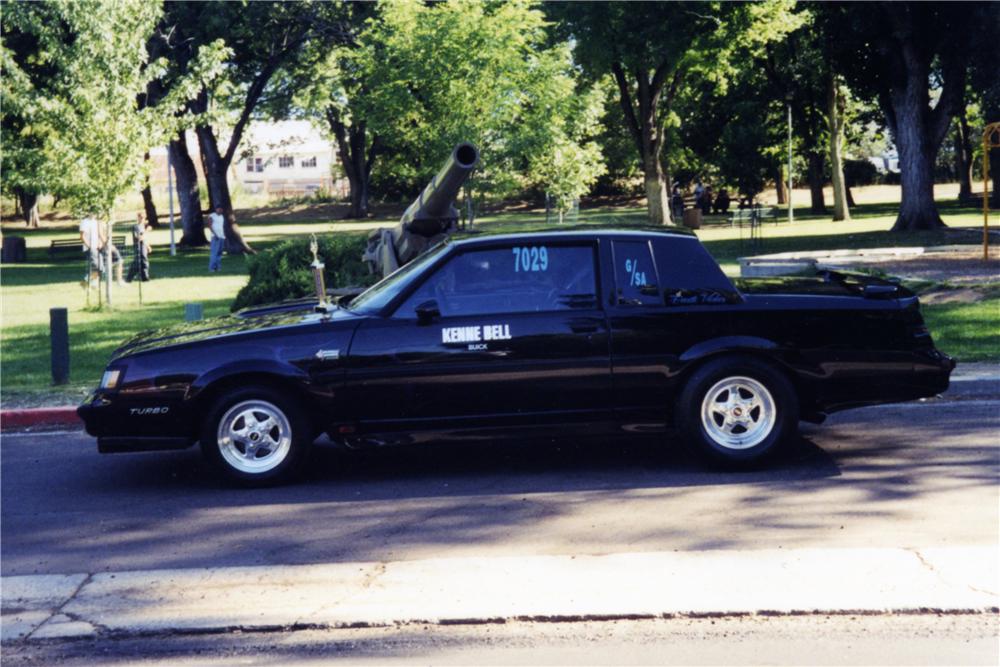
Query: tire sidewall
691 398
300 439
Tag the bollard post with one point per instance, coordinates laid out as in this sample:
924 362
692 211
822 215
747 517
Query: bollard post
59 335
192 312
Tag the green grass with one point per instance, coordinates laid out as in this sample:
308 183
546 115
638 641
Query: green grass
29 290
966 331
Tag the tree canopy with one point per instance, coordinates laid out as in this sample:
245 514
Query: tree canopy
555 95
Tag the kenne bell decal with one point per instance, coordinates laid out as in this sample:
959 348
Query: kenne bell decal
476 333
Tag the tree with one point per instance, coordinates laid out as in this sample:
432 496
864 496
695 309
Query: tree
654 50
261 38
416 79
25 173
330 85
83 105
76 95
895 52
798 72
570 166
985 53
837 105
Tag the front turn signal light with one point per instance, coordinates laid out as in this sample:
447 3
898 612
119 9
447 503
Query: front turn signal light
111 378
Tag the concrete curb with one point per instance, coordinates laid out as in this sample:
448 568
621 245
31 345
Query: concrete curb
13 420
496 589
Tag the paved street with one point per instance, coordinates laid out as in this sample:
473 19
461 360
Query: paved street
911 475
907 493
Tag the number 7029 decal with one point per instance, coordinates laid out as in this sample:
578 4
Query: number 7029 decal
528 259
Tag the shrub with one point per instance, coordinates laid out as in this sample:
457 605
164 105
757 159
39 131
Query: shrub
283 272
860 172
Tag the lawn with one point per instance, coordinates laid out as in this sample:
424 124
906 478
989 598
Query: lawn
968 331
29 290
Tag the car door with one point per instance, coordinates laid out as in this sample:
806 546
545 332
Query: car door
508 334
658 310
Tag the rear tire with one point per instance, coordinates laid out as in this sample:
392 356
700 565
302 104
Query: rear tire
737 411
255 436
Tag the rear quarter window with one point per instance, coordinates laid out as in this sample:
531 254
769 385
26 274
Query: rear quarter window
686 270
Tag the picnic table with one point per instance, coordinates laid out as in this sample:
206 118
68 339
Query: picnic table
73 247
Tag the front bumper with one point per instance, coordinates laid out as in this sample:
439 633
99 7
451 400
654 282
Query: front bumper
124 423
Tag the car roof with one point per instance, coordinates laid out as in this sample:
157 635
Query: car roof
585 233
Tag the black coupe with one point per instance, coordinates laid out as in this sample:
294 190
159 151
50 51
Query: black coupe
565 333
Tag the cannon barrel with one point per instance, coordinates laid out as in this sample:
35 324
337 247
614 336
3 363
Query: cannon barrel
433 212
429 218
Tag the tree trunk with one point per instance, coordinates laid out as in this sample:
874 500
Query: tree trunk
780 186
28 202
641 118
816 182
218 189
359 197
204 170
916 128
963 156
908 121
995 174
188 196
147 203
357 159
656 194
850 197
835 119
150 207
917 209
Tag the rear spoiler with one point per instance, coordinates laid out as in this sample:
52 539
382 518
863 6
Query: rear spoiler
868 286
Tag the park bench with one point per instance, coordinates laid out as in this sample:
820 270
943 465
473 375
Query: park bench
74 247
746 215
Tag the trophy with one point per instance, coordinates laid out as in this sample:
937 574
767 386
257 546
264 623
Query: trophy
318 280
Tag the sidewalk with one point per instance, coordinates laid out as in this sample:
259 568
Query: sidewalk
495 589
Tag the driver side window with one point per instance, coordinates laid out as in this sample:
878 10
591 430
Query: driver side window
529 277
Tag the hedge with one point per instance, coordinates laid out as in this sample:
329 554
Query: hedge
283 272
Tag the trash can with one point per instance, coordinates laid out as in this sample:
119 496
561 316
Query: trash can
13 250
692 218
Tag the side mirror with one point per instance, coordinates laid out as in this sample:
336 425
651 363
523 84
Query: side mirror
427 312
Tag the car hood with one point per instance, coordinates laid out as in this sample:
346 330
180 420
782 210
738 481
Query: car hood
219 327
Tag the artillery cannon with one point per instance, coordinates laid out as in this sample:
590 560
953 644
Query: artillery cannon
429 219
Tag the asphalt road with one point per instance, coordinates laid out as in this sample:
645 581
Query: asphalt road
912 475
796 640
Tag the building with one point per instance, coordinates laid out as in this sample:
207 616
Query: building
279 159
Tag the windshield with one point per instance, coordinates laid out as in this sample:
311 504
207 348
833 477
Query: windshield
381 293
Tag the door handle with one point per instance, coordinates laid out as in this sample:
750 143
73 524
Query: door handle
584 328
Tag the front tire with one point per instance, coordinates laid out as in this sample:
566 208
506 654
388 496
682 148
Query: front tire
737 411
255 436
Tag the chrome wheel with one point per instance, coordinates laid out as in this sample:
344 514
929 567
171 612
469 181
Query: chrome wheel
738 413
254 436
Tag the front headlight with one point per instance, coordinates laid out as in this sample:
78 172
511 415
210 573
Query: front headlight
111 378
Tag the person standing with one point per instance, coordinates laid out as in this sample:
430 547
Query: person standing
90 235
116 258
216 225
140 263
706 200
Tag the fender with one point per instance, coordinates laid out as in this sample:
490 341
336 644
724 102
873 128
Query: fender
726 344
248 366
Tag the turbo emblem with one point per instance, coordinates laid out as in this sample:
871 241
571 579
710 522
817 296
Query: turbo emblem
141 412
